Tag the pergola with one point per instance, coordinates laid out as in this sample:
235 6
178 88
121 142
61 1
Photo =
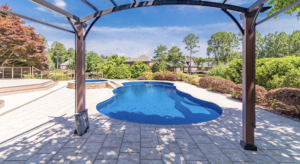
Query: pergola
81 28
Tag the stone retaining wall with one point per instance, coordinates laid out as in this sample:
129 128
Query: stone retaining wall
96 85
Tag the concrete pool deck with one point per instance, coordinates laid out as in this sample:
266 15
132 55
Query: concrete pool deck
42 132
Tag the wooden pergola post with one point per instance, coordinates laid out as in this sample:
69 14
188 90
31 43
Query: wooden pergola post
248 82
81 116
80 67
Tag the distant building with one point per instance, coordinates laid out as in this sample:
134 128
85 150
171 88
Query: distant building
186 63
145 59
63 66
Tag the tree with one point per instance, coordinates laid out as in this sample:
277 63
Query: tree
208 61
19 44
161 56
199 61
280 4
71 64
260 46
92 60
224 46
70 54
138 68
294 43
176 57
191 42
115 68
58 53
276 45
103 57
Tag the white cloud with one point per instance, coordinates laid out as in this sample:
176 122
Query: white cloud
142 40
41 9
60 3
284 23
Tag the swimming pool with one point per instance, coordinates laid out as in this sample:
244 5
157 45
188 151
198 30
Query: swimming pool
157 103
93 80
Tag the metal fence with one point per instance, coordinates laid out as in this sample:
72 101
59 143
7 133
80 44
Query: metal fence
34 73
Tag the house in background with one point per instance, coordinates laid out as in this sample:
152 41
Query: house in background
194 67
63 66
145 59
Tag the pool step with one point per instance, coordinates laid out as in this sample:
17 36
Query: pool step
116 84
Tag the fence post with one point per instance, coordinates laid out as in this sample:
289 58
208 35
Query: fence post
102 74
55 76
41 75
12 72
3 73
32 75
21 72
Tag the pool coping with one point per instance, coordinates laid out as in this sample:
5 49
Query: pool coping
92 108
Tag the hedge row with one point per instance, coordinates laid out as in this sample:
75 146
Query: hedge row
285 100
167 75
271 73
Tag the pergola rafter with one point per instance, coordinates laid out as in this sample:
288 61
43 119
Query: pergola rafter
34 20
90 5
113 2
170 2
56 9
248 15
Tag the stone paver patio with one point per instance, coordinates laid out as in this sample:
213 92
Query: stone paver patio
42 132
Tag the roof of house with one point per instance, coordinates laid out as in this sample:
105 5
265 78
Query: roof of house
187 59
65 63
142 58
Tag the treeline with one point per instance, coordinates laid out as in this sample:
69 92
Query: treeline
58 54
225 46
277 45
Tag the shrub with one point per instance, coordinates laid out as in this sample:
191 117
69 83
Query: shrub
233 94
171 77
195 81
291 79
223 86
189 78
181 76
287 100
167 72
203 69
119 72
270 72
205 82
148 75
259 93
141 78
138 68
159 76
218 70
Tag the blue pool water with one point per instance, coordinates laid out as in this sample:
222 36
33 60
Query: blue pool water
157 103
93 80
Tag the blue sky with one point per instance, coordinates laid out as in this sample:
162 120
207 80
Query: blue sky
139 31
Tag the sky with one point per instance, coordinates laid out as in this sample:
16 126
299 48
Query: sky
139 31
